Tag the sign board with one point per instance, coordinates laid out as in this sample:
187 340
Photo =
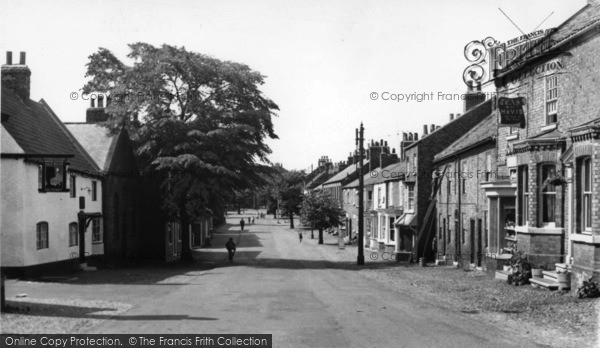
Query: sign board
511 111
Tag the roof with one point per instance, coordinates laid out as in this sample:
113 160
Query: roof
382 175
482 132
96 140
37 130
476 108
344 173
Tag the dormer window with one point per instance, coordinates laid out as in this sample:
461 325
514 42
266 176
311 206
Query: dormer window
52 176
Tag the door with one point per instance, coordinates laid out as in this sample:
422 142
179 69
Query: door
472 240
479 242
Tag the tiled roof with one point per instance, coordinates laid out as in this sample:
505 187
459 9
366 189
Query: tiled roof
344 173
484 130
37 130
7 143
96 140
383 175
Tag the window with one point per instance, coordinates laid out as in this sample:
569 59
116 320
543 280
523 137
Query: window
73 234
440 227
551 99
548 193
392 229
411 197
448 229
96 231
378 196
370 195
464 186
448 187
42 235
513 130
585 187
382 224
485 228
488 167
72 186
523 195
94 190
464 240
52 176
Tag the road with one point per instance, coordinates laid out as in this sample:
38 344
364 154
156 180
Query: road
297 293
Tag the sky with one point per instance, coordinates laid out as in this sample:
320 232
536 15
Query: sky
323 60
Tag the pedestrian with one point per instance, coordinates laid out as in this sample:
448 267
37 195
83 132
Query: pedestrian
242 223
230 245
253 220
300 236
248 220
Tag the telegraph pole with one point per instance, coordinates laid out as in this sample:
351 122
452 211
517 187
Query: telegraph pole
361 208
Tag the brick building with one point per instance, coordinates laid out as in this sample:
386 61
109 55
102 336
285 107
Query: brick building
462 215
418 156
553 163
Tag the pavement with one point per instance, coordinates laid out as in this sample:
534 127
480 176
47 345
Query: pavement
298 292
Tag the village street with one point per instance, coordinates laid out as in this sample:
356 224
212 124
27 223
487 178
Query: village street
278 285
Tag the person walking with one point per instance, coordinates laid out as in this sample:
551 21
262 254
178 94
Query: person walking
230 245
242 224
300 236
253 220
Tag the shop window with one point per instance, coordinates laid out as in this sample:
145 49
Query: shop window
551 99
96 231
73 234
548 193
411 197
585 185
42 235
52 176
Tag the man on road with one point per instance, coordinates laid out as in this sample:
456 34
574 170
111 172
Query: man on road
242 224
230 245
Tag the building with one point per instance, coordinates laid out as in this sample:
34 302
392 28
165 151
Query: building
112 152
462 206
418 156
552 164
51 191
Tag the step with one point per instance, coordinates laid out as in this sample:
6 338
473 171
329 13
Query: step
547 283
561 267
502 275
85 267
550 275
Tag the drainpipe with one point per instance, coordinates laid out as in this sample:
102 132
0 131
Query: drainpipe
459 205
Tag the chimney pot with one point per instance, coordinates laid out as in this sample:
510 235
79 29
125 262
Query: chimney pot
451 117
404 136
432 128
8 58
424 130
416 136
22 59
385 143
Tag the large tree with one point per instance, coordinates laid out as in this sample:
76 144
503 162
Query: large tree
200 120
290 194
321 211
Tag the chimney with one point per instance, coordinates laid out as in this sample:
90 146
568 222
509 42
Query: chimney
404 136
451 117
424 130
97 114
387 159
432 128
473 97
350 159
416 137
458 115
375 155
17 77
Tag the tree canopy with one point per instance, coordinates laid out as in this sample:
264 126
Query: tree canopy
201 119
321 211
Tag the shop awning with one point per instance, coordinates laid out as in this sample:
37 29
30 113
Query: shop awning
407 219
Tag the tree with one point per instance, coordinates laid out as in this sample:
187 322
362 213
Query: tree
290 193
199 121
321 211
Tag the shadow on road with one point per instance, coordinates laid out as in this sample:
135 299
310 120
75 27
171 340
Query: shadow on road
65 311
